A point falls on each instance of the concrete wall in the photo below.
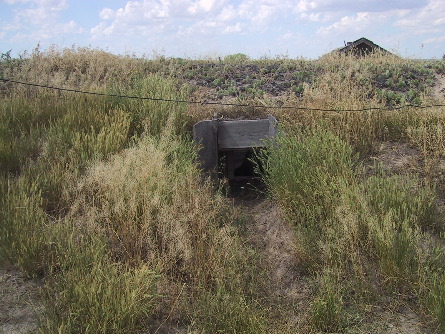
(215, 136)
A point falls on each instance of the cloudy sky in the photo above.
(212, 28)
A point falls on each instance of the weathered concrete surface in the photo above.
(214, 136)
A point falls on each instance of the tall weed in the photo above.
(227, 312)
(151, 116)
(435, 300)
(404, 197)
(103, 298)
(327, 308)
(304, 172)
(23, 227)
(347, 225)
(154, 208)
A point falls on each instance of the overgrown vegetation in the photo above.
(102, 196)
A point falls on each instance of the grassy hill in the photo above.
(102, 200)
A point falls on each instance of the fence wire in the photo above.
(220, 103)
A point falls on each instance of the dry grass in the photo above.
(107, 189)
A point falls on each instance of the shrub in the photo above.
(236, 58)
(227, 312)
(327, 307)
(304, 172)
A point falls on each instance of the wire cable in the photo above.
(219, 103)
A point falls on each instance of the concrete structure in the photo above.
(226, 146)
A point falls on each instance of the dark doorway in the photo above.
(238, 164)
(240, 169)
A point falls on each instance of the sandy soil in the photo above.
(395, 158)
(439, 88)
(287, 290)
(19, 302)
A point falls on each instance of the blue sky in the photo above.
(212, 28)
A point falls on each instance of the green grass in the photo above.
(327, 313)
(343, 223)
(102, 196)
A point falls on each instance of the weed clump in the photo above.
(101, 195)
(346, 226)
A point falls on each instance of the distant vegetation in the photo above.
(103, 198)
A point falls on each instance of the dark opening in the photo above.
(240, 168)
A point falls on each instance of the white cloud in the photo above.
(223, 24)
(41, 12)
(14, 26)
(264, 14)
(187, 17)
(72, 28)
(430, 18)
(38, 20)
(316, 17)
(202, 27)
(365, 5)
(174, 17)
(107, 14)
(137, 11)
(347, 23)
(234, 28)
(358, 23)
(102, 29)
(228, 13)
(434, 40)
(305, 6)
(201, 6)
(136, 17)
(13, 2)
(285, 37)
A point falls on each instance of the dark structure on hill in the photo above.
(362, 47)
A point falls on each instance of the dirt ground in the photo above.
(395, 158)
(439, 88)
(20, 304)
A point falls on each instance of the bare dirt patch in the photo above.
(394, 158)
(275, 236)
(288, 291)
(393, 321)
(439, 87)
(20, 304)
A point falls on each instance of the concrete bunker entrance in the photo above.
(227, 147)
(238, 164)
